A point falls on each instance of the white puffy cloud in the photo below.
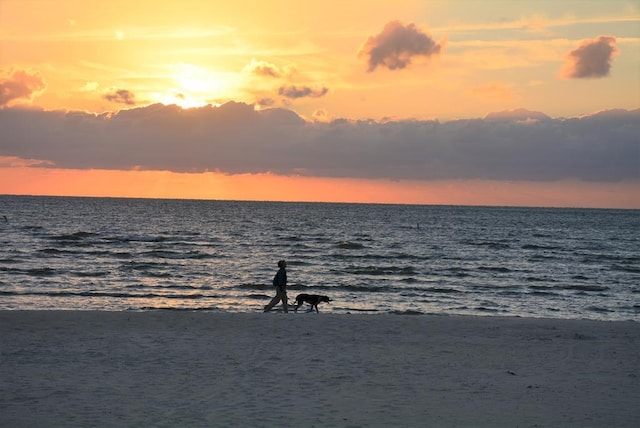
(237, 138)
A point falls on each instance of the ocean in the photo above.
(68, 253)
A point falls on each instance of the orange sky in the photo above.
(164, 184)
(364, 69)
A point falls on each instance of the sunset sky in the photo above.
(492, 102)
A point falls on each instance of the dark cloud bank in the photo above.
(235, 138)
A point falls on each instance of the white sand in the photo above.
(324, 370)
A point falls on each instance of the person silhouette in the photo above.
(280, 282)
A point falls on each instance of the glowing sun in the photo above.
(193, 86)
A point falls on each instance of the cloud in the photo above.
(301, 92)
(592, 59)
(266, 102)
(517, 115)
(236, 138)
(121, 96)
(14, 162)
(266, 69)
(19, 85)
(89, 87)
(397, 45)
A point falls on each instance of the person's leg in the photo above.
(285, 302)
(273, 302)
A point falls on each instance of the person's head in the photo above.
(282, 264)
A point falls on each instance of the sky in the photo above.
(459, 102)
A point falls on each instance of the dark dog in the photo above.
(312, 299)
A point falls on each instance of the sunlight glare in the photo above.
(195, 79)
(181, 99)
(193, 86)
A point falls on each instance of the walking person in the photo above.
(280, 282)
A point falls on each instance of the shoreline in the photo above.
(183, 368)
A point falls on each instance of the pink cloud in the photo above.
(397, 45)
(592, 59)
(123, 96)
(301, 92)
(265, 69)
(20, 85)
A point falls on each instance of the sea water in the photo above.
(141, 254)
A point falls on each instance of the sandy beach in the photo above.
(200, 369)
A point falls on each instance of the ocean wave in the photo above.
(441, 290)
(542, 235)
(292, 239)
(580, 277)
(175, 308)
(38, 272)
(494, 269)
(31, 228)
(541, 258)
(542, 287)
(357, 288)
(97, 274)
(538, 279)
(626, 268)
(372, 310)
(168, 287)
(380, 270)
(120, 295)
(150, 239)
(306, 288)
(590, 258)
(259, 296)
(77, 236)
(489, 244)
(374, 257)
(59, 253)
(56, 251)
(542, 292)
(135, 265)
(169, 254)
(346, 245)
(598, 309)
(590, 288)
(486, 309)
(536, 247)
(456, 272)
(366, 288)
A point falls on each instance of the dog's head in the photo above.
(325, 299)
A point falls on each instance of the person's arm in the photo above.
(282, 280)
